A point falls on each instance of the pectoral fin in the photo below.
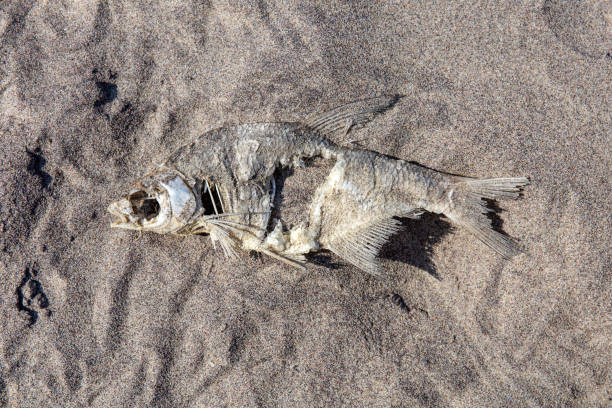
(361, 245)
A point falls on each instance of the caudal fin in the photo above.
(468, 209)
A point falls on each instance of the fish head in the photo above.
(163, 202)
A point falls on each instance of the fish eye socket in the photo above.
(144, 205)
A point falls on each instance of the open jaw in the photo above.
(134, 210)
(162, 202)
(120, 210)
(118, 221)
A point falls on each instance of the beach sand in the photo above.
(94, 94)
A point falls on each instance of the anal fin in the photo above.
(361, 245)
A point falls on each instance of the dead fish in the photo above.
(223, 184)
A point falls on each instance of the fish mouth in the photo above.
(120, 219)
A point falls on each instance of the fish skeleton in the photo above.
(223, 184)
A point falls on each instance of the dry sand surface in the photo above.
(95, 93)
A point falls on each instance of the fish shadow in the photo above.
(494, 210)
(415, 242)
(325, 258)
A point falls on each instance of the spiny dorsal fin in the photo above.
(360, 245)
(350, 116)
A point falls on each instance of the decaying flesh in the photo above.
(222, 184)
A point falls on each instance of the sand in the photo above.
(94, 94)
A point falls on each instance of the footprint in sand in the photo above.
(31, 300)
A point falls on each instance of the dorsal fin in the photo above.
(355, 114)
(360, 245)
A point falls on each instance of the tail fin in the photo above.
(468, 209)
(351, 115)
